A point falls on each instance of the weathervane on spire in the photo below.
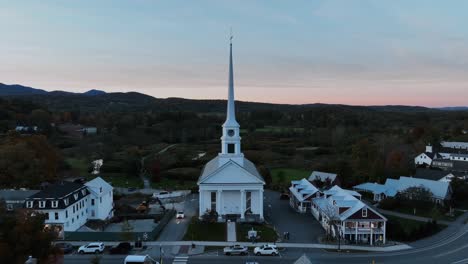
(231, 36)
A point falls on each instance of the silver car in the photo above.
(236, 250)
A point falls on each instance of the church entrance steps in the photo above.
(231, 231)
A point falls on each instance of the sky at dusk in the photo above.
(358, 52)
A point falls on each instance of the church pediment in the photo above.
(231, 173)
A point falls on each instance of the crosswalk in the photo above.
(180, 260)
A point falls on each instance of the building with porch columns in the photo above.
(229, 184)
(342, 214)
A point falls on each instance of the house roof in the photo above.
(65, 193)
(58, 190)
(429, 174)
(95, 184)
(393, 186)
(454, 144)
(341, 198)
(16, 195)
(213, 166)
(438, 189)
(459, 155)
(302, 189)
(323, 176)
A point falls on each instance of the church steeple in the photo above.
(230, 141)
(231, 109)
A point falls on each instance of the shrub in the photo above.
(389, 203)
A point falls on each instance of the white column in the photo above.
(219, 204)
(242, 206)
(261, 203)
(384, 232)
(201, 197)
(356, 226)
(371, 235)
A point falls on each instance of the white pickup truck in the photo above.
(166, 195)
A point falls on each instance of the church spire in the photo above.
(231, 140)
(231, 110)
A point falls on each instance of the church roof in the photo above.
(213, 166)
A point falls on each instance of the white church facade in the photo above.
(229, 184)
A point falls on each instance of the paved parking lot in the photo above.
(302, 228)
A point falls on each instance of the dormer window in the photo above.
(54, 204)
(29, 204)
(364, 212)
(42, 204)
(76, 196)
(83, 192)
(65, 201)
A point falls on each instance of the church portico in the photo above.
(233, 203)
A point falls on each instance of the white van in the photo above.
(139, 259)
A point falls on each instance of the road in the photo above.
(176, 228)
(452, 249)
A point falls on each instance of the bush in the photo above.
(389, 203)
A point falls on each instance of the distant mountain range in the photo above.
(96, 100)
(454, 108)
(17, 90)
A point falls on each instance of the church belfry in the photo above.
(231, 140)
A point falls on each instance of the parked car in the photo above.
(235, 250)
(131, 189)
(180, 215)
(66, 248)
(139, 259)
(92, 248)
(122, 248)
(263, 250)
(166, 194)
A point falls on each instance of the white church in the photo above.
(229, 184)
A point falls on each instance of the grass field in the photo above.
(289, 175)
(79, 165)
(410, 227)
(201, 231)
(426, 212)
(119, 180)
(266, 233)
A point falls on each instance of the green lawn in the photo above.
(119, 180)
(289, 175)
(79, 165)
(402, 229)
(426, 212)
(266, 232)
(202, 231)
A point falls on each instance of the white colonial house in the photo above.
(229, 184)
(64, 205)
(343, 215)
(426, 157)
(101, 199)
(68, 205)
(301, 194)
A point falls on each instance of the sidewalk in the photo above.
(250, 244)
(231, 232)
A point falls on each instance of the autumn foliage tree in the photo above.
(26, 161)
(23, 235)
